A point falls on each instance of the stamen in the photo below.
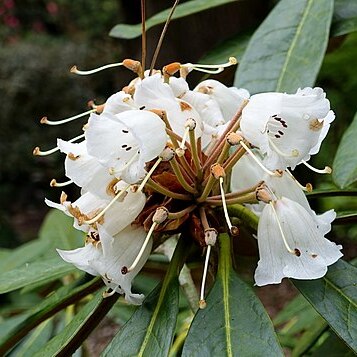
(75, 70)
(210, 68)
(326, 170)
(233, 229)
(292, 251)
(150, 173)
(101, 213)
(54, 183)
(210, 238)
(107, 293)
(38, 152)
(112, 170)
(189, 125)
(250, 152)
(307, 188)
(44, 120)
(294, 152)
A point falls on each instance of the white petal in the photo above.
(118, 102)
(82, 257)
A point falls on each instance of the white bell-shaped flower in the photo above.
(287, 127)
(124, 142)
(228, 99)
(106, 257)
(85, 170)
(153, 93)
(119, 102)
(291, 245)
(88, 206)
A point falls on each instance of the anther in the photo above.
(133, 65)
(54, 183)
(263, 194)
(307, 188)
(217, 171)
(44, 120)
(190, 124)
(75, 70)
(37, 152)
(170, 69)
(210, 68)
(106, 294)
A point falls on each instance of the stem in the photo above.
(233, 159)
(164, 191)
(248, 198)
(179, 214)
(180, 177)
(163, 33)
(203, 217)
(245, 214)
(194, 155)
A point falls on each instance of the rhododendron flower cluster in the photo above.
(158, 159)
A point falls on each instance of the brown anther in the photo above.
(133, 65)
(73, 69)
(63, 197)
(205, 89)
(99, 108)
(124, 270)
(73, 157)
(202, 304)
(316, 124)
(279, 173)
(36, 151)
(171, 69)
(233, 139)
(234, 231)
(43, 120)
(309, 187)
(161, 214)
(211, 236)
(53, 183)
(91, 104)
(297, 252)
(110, 190)
(262, 193)
(217, 171)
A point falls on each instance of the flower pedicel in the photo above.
(157, 158)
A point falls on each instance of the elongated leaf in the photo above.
(335, 298)
(344, 17)
(36, 272)
(63, 297)
(150, 330)
(66, 342)
(188, 8)
(286, 51)
(57, 229)
(35, 340)
(26, 253)
(234, 323)
(345, 163)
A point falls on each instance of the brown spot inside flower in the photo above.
(110, 190)
(124, 270)
(185, 106)
(314, 255)
(315, 124)
(73, 157)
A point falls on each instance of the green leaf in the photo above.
(26, 253)
(72, 336)
(188, 8)
(335, 298)
(35, 340)
(58, 229)
(287, 49)
(333, 347)
(35, 272)
(232, 47)
(57, 301)
(344, 17)
(150, 330)
(234, 323)
(345, 164)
